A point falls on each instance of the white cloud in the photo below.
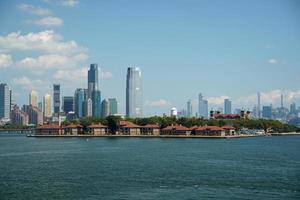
(51, 61)
(158, 103)
(105, 74)
(5, 60)
(71, 75)
(273, 61)
(217, 100)
(48, 21)
(33, 10)
(69, 3)
(46, 41)
(26, 83)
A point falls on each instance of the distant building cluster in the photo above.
(86, 102)
(281, 113)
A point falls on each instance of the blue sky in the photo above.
(220, 48)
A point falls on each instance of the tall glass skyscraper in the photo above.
(5, 98)
(96, 103)
(92, 79)
(134, 92)
(105, 108)
(227, 106)
(56, 98)
(79, 102)
(68, 104)
(93, 90)
(113, 106)
(202, 107)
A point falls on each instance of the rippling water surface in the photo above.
(144, 168)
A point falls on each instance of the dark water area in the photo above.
(149, 168)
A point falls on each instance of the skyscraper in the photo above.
(105, 108)
(202, 107)
(79, 102)
(96, 103)
(281, 100)
(258, 105)
(92, 79)
(68, 104)
(40, 105)
(134, 99)
(35, 115)
(47, 106)
(227, 106)
(293, 108)
(5, 97)
(189, 108)
(19, 117)
(88, 107)
(93, 90)
(56, 98)
(33, 98)
(267, 112)
(113, 106)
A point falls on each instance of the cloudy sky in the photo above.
(224, 49)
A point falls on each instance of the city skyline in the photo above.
(36, 54)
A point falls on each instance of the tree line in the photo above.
(113, 122)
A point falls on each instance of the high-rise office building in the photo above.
(267, 112)
(33, 98)
(5, 101)
(227, 106)
(293, 108)
(92, 79)
(79, 102)
(113, 106)
(40, 105)
(96, 103)
(258, 106)
(105, 108)
(89, 108)
(19, 117)
(202, 107)
(189, 108)
(93, 90)
(35, 115)
(47, 106)
(281, 100)
(68, 104)
(56, 98)
(134, 92)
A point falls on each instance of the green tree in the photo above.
(113, 123)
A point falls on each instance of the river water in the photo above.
(149, 168)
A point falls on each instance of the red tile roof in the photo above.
(176, 127)
(128, 124)
(194, 127)
(49, 126)
(97, 126)
(151, 126)
(227, 127)
(74, 126)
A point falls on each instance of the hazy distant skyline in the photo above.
(223, 49)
